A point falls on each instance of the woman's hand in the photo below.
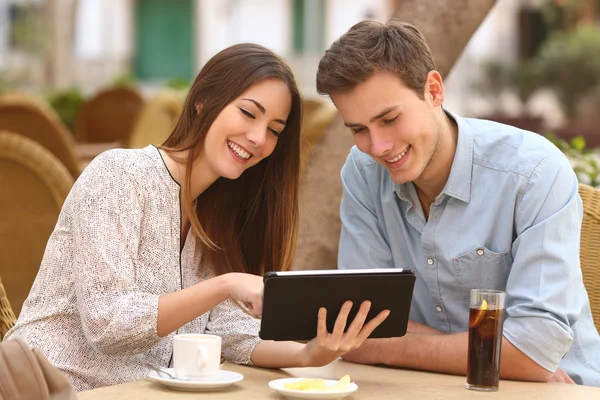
(247, 290)
(327, 347)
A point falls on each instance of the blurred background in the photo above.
(78, 77)
(532, 63)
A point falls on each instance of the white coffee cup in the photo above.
(196, 356)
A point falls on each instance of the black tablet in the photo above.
(292, 300)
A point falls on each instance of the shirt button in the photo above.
(430, 261)
(480, 252)
(438, 308)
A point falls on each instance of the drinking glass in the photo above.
(486, 317)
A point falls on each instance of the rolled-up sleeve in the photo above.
(362, 244)
(117, 317)
(238, 330)
(545, 292)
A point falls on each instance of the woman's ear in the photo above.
(198, 106)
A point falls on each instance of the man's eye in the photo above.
(247, 113)
(357, 130)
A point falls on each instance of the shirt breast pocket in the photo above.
(482, 268)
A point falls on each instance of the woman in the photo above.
(153, 242)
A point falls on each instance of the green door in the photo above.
(164, 39)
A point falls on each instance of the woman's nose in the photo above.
(257, 138)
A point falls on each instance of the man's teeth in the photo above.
(399, 156)
(238, 150)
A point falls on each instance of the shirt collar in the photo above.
(459, 180)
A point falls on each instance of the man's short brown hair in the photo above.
(370, 46)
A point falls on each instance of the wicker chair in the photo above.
(7, 316)
(590, 247)
(109, 116)
(39, 123)
(26, 99)
(34, 186)
(157, 120)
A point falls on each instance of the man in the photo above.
(466, 204)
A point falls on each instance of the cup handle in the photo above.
(201, 354)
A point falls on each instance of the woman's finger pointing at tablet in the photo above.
(247, 291)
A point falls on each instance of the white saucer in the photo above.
(277, 385)
(224, 379)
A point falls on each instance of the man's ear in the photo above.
(198, 106)
(434, 88)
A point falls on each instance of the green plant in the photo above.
(524, 77)
(66, 104)
(125, 80)
(494, 78)
(29, 32)
(569, 62)
(585, 162)
(178, 83)
(563, 14)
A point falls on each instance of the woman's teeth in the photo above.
(238, 150)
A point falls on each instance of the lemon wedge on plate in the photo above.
(307, 384)
(342, 384)
(318, 385)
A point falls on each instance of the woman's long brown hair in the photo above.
(248, 224)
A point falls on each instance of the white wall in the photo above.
(223, 23)
(118, 29)
(89, 30)
(267, 22)
(342, 14)
(496, 38)
(104, 29)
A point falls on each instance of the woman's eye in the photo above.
(247, 113)
(275, 132)
(391, 120)
(358, 130)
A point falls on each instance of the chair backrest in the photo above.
(7, 316)
(27, 99)
(34, 186)
(157, 120)
(109, 116)
(590, 247)
(40, 125)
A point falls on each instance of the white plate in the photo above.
(224, 379)
(277, 385)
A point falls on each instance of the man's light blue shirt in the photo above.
(509, 218)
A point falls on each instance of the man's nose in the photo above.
(381, 144)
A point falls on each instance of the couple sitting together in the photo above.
(164, 240)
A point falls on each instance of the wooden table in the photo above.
(373, 383)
